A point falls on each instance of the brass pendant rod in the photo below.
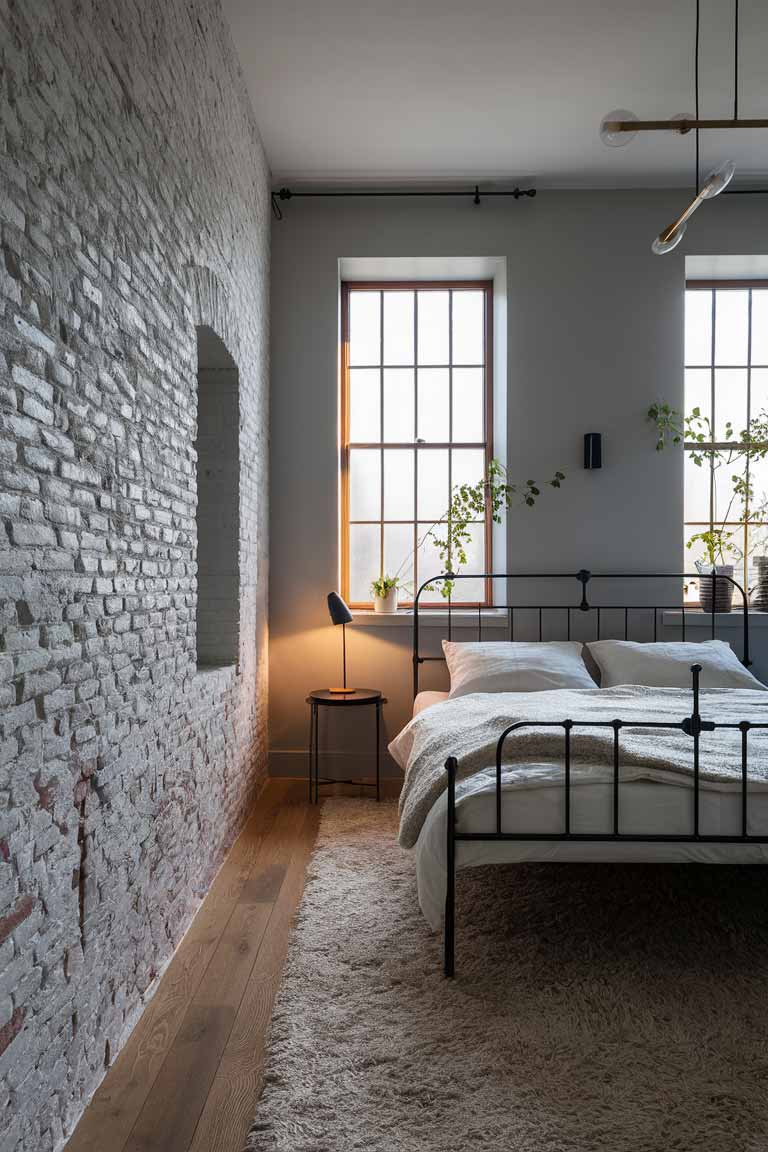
(680, 126)
(682, 218)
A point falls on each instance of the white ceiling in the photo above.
(433, 90)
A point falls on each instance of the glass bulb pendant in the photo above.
(666, 241)
(718, 180)
(616, 139)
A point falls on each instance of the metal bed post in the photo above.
(451, 765)
(416, 644)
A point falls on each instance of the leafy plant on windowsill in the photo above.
(452, 533)
(751, 443)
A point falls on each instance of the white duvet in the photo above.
(650, 801)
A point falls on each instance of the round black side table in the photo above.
(323, 698)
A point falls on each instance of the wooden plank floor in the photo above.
(189, 1075)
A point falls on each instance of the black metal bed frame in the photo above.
(692, 725)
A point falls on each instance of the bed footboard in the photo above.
(692, 726)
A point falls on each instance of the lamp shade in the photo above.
(338, 610)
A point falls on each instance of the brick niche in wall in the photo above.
(134, 210)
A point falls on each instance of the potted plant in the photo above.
(385, 591)
(734, 452)
(715, 595)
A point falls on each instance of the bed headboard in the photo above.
(598, 598)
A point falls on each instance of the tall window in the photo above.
(726, 378)
(416, 422)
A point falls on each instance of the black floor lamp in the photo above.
(340, 614)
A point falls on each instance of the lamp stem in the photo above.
(344, 651)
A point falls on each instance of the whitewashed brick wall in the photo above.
(133, 205)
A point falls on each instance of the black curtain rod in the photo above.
(476, 194)
(288, 194)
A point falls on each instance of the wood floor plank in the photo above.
(168, 1125)
(109, 1118)
(188, 1077)
(184, 1078)
(232, 1096)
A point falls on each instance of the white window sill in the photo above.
(212, 671)
(433, 618)
(695, 618)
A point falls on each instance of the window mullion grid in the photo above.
(450, 419)
(747, 502)
(381, 431)
(712, 411)
(415, 442)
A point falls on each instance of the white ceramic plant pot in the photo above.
(386, 603)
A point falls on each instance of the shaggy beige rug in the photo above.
(616, 1008)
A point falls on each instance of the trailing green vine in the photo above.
(734, 450)
(452, 534)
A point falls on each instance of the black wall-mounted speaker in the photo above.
(593, 450)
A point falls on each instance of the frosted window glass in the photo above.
(365, 484)
(398, 327)
(730, 400)
(398, 405)
(399, 466)
(468, 466)
(364, 560)
(468, 404)
(429, 563)
(364, 328)
(398, 554)
(758, 475)
(731, 327)
(433, 404)
(691, 556)
(696, 490)
(433, 483)
(698, 392)
(759, 391)
(364, 405)
(725, 503)
(760, 327)
(472, 591)
(468, 322)
(698, 328)
(433, 327)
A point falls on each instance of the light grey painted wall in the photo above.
(595, 334)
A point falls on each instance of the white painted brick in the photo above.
(105, 270)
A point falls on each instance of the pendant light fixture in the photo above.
(714, 184)
(621, 126)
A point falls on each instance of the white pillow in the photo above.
(508, 666)
(668, 665)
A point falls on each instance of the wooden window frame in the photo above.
(705, 285)
(347, 288)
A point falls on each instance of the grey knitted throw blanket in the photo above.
(469, 728)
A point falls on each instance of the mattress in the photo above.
(427, 699)
(645, 807)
